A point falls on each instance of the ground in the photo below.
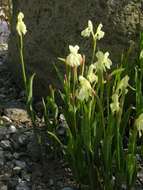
(21, 167)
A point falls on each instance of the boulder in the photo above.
(52, 25)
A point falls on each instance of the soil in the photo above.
(52, 174)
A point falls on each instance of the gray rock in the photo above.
(12, 183)
(16, 155)
(1, 154)
(20, 164)
(67, 188)
(61, 130)
(15, 144)
(3, 132)
(51, 182)
(8, 156)
(17, 170)
(10, 164)
(22, 139)
(33, 150)
(5, 177)
(4, 187)
(1, 63)
(2, 162)
(22, 186)
(12, 129)
(5, 144)
(25, 176)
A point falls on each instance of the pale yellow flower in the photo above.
(141, 54)
(139, 124)
(103, 61)
(91, 76)
(99, 33)
(21, 27)
(123, 84)
(74, 59)
(115, 106)
(85, 89)
(88, 31)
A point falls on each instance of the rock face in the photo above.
(53, 25)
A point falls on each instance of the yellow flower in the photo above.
(115, 106)
(141, 54)
(85, 90)
(139, 124)
(74, 59)
(21, 27)
(87, 32)
(103, 61)
(99, 33)
(123, 84)
(91, 76)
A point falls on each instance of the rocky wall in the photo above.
(54, 24)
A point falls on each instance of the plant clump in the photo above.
(93, 105)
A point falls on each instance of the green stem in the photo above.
(23, 65)
(108, 99)
(74, 79)
(119, 116)
(94, 49)
(101, 112)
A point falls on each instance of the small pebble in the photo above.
(12, 129)
(67, 188)
(6, 119)
(20, 164)
(5, 144)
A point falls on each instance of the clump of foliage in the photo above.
(93, 98)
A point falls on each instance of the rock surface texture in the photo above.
(53, 25)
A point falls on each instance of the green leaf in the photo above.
(117, 71)
(55, 137)
(131, 169)
(60, 75)
(30, 98)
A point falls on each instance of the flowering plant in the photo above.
(93, 105)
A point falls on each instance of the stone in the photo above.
(25, 176)
(17, 170)
(16, 155)
(17, 114)
(20, 164)
(51, 182)
(4, 187)
(122, 21)
(2, 162)
(5, 144)
(5, 177)
(67, 188)
(22, 139)
(33, 150)
(12, 129)
(8, 155)
(3, 132)
(10, 164)
(12, 183)
(1, 154)
(22, 186)
(6, 119)
(61, 130)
